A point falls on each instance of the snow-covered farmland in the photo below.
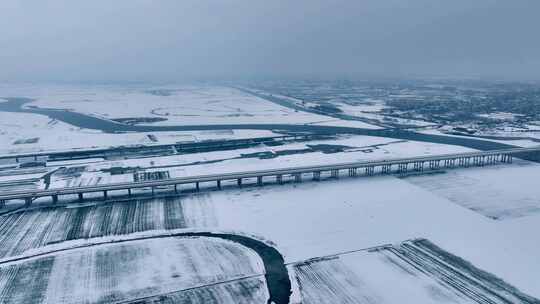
(520, 139)
(165, 105)
(498, 192)
(137, 269)
(321, 219)
(23, 231)
(367, 105)
(318, 219)
(416, 270)
(52, 135)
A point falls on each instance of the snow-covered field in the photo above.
(397, 120)
(526, 139)
(367, 105)
(318, 219)
(487, 216)
(53, 135)
(498, 192)
(137, 269)
(369, 109)
(23, 231)
(172, 105)
(417, 270)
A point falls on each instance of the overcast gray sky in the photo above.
(169, 40)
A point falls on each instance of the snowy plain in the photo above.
(328, 218)
(132, 270)
(473, 213)
(168, 105)
(55, 135)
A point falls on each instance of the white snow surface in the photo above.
(59, 136)
(530, 139)
(179, 104)
(499, 192)
(135, 269)
(326, 218)
(313, 219)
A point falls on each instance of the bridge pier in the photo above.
(218, 184)
(27, 201)
(197, 186)
(153, 190)
(279, 179)
(175, 188)
(259, 180)
(239, 182)
(129, 191)
(465, 161)
(434, 164)
(478, 161)
(298, 177)
(402, 168)
(105, 195)
(55, 199)
(506, 158)
(80, 197)
(317, 175)
(334, 173)
(352, 172)
(2, 203)
(483, 161)
(386, 169)
(369, 170)
(418, 166)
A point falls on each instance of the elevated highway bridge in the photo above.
(365, 168)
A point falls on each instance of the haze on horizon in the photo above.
(169, 40)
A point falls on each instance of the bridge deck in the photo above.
(261, 173)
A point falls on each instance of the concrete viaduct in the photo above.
(366, 168)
